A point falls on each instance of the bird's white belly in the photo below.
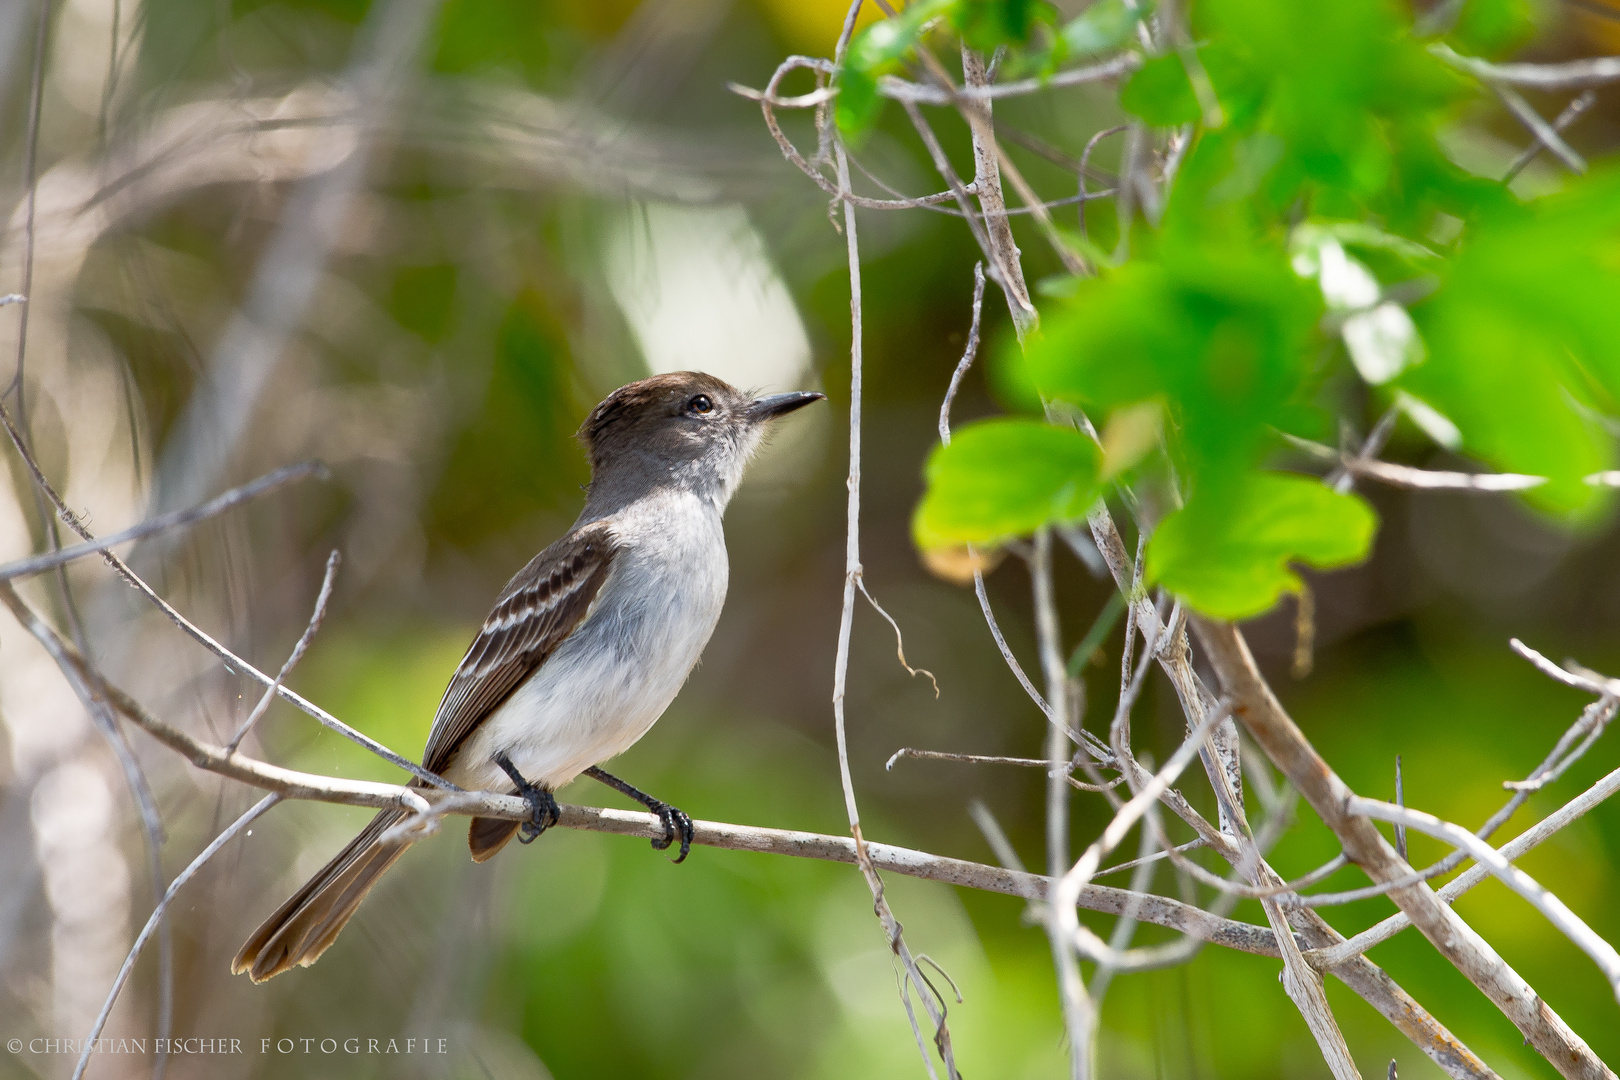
(606, 685)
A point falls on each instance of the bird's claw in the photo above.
(543, 813)
(675, 821)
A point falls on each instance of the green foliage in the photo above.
(1004, 478)
(1028, 27)
(1105, 25)
(1313, 180)
(1228, 551)
(986, 25)
(1492, 28)
(1524, 342)
(1343, 124)
(879, 50)
(1218, 333)
(1221, 336)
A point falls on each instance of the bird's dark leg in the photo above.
(675, 820)
(542, 807)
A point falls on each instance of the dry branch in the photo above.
(1328, 795)
(1571, 75)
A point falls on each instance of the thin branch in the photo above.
(1586, 730)
(292, 784)
(899, 638)
(31, 185)
(1571, 113)
(1406, 476)
(232, 661)
(852, 576)
(1079, 1011)
(918, 93)
(1191, 845)
(969, 352)
(179, 519)
(968, 355)
(297, 654)
(1085, 158)
(988, 759)
(1469, 953)
(768, 100)
(1571, 811)
(156, 917)
(1545, 134)
(1571, 75)
(1543, 900)
(997, 239)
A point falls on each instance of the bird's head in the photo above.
(685, 427)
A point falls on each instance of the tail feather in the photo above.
(303, 927)
(486, 836)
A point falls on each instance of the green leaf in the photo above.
(986, 25)
(1102, 27)
(1523, 342)
(1353, 115)
(1160, 93)
(1227, 552)
(1004, 478)
(1494, 28)
(879, 50)
(858, 104)
(1219, 332)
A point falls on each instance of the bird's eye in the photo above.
(700, 404)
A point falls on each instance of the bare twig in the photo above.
(899, 638)
(852, 575)
(989, 759)
(1400, 800)
(921, 94)
(1079, 1012)
(1571, 113)
(1085, 158)
(1545, 133)
(969, 351)
(997, 240)
(31, 186)
(234, 662)
(1571, 811)
(1287, 747)
(1571, 75)
(1543, 900)
(156, 917)
(1594, 719)
(179, 519)
(768, 101)
(297, 654)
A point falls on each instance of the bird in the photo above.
(584, 648)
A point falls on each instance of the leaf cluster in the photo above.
(1313, 178)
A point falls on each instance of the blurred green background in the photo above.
(558, 198)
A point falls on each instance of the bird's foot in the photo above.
(676, 821)
(543, 813)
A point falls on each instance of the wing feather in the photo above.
(542, 604)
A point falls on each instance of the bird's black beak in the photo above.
(774, 405)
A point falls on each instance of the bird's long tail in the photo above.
(303, 927)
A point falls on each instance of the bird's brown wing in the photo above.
(534, 614)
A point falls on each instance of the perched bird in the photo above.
(585, 647)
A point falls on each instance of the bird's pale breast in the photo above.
(608, 683)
